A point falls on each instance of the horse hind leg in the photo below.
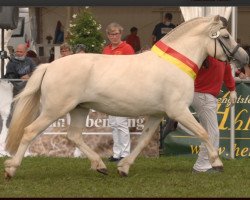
(31, 131)
(148, 131)
(187, 119)
(77, 124)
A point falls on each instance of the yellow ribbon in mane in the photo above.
(182, 62)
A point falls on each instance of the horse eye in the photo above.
(226, 36)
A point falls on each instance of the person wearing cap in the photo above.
(162, 28)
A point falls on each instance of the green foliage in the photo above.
(148, 177)
(84, 29)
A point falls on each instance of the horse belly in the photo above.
(124, 105)
(118, 110)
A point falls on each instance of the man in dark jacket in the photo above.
(161, 29)
(19, 67)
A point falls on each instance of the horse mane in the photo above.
(176, 32)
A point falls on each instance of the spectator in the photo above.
(162, 28)
(80, 48)
(59, 34)
(32, 54)
(65, 50)
(51, 54)
(133, 39)
(120, 132)
(20, 67)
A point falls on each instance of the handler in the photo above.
(207, 87)
(208, 84)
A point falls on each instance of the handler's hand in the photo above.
(233, 97)
(25, 77)
(242, 76)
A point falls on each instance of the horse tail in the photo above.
(26, 109)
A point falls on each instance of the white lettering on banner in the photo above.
(139, 123)
(91, 122)
(88, 133)
(59, 123)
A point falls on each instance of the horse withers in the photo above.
(154, 83)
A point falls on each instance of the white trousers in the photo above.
(205, 106)
(121, 136)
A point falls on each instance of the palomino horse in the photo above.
(153, 84)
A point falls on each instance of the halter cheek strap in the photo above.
(176, 58)
(227, 52)
(230, 55)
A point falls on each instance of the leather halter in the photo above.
(227, 52)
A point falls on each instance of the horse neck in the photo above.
(190, 40)
(195, 50)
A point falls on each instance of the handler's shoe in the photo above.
(112, 159)
(209, 171)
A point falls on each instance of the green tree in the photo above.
(84, 29)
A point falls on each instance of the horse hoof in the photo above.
(219, 168)
(122, 174)
(7, 176)
(103, 171)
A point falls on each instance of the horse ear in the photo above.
(214, 32)
(214, 35)
(216, 18)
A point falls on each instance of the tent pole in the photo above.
(2, 52)
(232, 113)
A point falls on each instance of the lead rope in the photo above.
(215, 48)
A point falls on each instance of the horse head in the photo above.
(222, 45)
(203, 36)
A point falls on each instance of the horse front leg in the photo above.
(149, 129)
(186, 118)
(77, 124)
